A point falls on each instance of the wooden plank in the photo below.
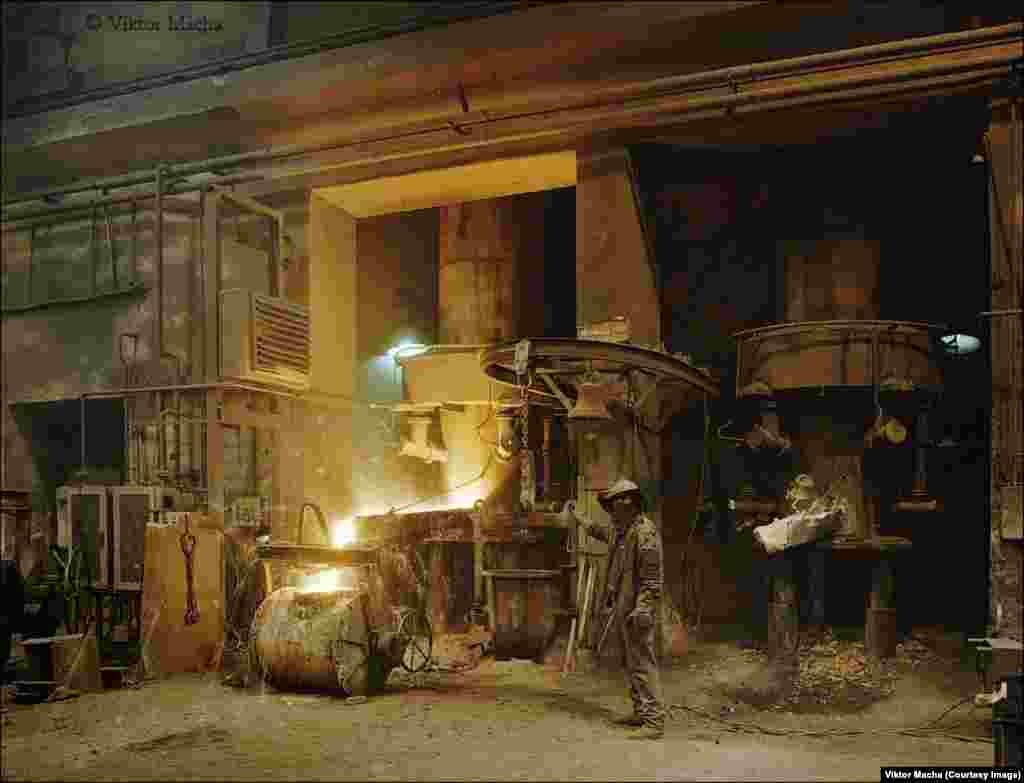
(170, 646)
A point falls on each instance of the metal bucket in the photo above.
(312, 640)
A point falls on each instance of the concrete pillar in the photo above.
(1006, 208)
(614, 267)
(490, 289)
(615, 278)
(332, 304)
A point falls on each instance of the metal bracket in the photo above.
(521, 359)
(556, 390)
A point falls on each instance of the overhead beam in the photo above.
(454, 185)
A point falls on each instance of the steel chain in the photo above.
(525, 413)
(188, 548)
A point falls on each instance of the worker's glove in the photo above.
(641, 620)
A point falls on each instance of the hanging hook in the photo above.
(720, 436)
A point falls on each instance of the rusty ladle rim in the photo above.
(536, 396)
(839, 325)
(497, 361)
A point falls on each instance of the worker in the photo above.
(633, 600)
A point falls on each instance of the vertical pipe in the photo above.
(920, 488)
(276, 254)
(546, 451)
(158, 336)
(110, 249)
(135, 243)
(161, 436)
(93, 251)
(31, 265)
(177, 434)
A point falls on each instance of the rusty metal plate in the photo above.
(447, 374)
(1013, 514)
(898, 354)
(553, 354)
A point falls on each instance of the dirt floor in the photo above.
(838, 718)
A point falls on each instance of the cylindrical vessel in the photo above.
(310, 640)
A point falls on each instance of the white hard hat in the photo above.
(619, 488)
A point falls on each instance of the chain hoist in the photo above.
(527, 486)
(188, 548)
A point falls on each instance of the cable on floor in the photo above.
(920, 732)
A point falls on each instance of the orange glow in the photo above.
(327, 581)
(460, 499)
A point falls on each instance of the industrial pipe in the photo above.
(728, 103)
(293, 50)
(169, 190)
(728, 78)
(222, 386)
(158, 336)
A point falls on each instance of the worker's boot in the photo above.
(648, 731)
(632, 721)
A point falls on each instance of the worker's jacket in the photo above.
(634, 567)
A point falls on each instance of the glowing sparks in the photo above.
(463, 498)
(329, 580)
(460, 499)
(343, 532)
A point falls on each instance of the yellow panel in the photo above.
(455, 185)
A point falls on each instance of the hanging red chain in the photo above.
(188, 548)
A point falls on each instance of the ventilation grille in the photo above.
(264, 340)
(281, 337)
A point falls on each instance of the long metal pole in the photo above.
(134, 198)
(722, 77)
(158, 332)
(305, 397)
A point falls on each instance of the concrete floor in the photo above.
(502, 720)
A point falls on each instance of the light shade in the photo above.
(406, 349)
(960, 344)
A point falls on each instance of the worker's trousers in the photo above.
(641, 664)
